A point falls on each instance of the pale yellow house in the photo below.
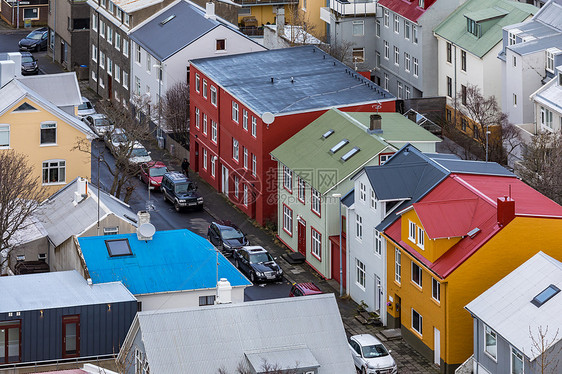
(37, 118)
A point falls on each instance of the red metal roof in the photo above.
(407, 9)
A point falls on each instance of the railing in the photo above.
(252, 31)
(59, 364)
(346, 8)
(261, 2)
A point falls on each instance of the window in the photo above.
(406, 30)
(545, 295)
(148, 63)
(386, 17)
(407, 62)
(463, 60)
(245, 195)
(396, 56)
(435, 290)
(254, 126)
(412, 231)
(10, 341)
(109, 66)
(109, 35)
(490, 342)
(316, 238)
(421, 3)
(378, 28)
(408, 94)
(550, 59)
(512, 38)
(206, 300)
(111, 7)
(416, 67)
(159, 73)
(449, 52)
(396, 24)
(4, 136)
(416, 274)
(377, 59)
(464, 124)
(111, 230)
(221, 44)
(358, 28)
(448, 115)
(95, 21)
(213, 131)
(118, 247)
(125, 48)
(287, 179)
(360, 273)
(235, 112)
(197, 118)
(463, 94)
(397, 265)
(514, 61)
(516, 361)
(48, 133)
(205, 124)
(125, 80)
(214, 95)
(514, 100)
(94, 53)
(236, 187)
(138, 53)
(315, 200)
(399, 94)
(119, 15)
(127, 19)
(415, 34)
(235, 150)
(205, 88)
(245, 156)
(245, 119)
(54, 171)
(449, 87)
(386, 81)
(254, 165)
(386, 50)
(373, 200)
(384, 158)
(102, 29)
(301, 190)
(546, 117)
(417, 321)
(358, 54)
(287, 219)
(472, 27)
(197, 81)
(213, 166)
(204, 159)
(358, 227)
(378, 243)
(137, 86)
(102, 60)
(117, 73)
(362, 192)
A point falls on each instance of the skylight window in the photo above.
(350, 154)
(545, 295)
(118, 247)
(339, 146)
(327, 134)
(168, 19)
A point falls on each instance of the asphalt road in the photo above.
(164, 217)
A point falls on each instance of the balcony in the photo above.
(353, 8)
(246, 3)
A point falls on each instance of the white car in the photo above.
(139, 154)
(115, 139)
(99, 123)
(371, 356)
(86, 108)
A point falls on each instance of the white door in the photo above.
(378, 294)
(224, 180)
(436, 346)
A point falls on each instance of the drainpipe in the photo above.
(455, 83)
(99, 54)
(54, 30)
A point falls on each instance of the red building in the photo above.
(244, 106)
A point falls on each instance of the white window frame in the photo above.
(213, 95)
(214, 132)
(49, 125)
(236, 186)
(420, 319)
(416, 268)
(373, 200)
(245, 200)
(416, 66)
(435, 290)
(414, 34)
(316, 243)
(358, 227)
(360, 273)
(205, 158)
(358, 28)
(95, 21)
(287, 179)
(109, 35)
(254, 165)
(362, 191)
(125, 47)
(205, 124)
(421, 237)
(489, 331)
(49, 167)
(396, 56)
(138, 54)
(102, 29)
(213, 166)
(125, 80)
(197, 83)
(235, 150)
(301, 190)
(287, 220)
(197, 118)
(204, 88)
(117, 73)
(406, 30)
(412, 231)
(378, 243)
(315, 201)
(397, 265)
(386, 50)
(386, 18)
(235, 111)
(245, 119)
(5, 128)
(549, 59)
(254, 126)
(396, 24)
(245, 156)
(516, 354)
(94, 53)
(407, 63)
(117, 41)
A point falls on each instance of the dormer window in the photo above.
(473, 27)
(512, 38)
(550, 53)
(560, 79)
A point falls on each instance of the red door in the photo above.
(336, 261)
(70, 336)
(302, 237)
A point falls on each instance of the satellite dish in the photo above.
(268, 118)
(147, 230)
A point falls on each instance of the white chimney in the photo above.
(145, 229)
(224, 292)
(16, 58)
(81, 190)
(7, 71)
(280, 21)
(89, 280)
(143, 216)
(210, 11)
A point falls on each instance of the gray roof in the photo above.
(550, 95)
(202, 340)
(551, 14)
(349, 198)
(58, 289)
(506, 306)
(305, 79)
(164, 40)
(60, 89)
(62, 219)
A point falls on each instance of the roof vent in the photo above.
(81, 190)
(472, 233)
(167, 19)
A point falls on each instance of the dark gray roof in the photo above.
(305, 78)
(164, 40)
(348, 199)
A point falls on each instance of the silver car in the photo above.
(370, 355)
(86, 108)
(99, 123)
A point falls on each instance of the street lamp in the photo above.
(338, 196)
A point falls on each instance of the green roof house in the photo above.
(317, 163)
(469, 41)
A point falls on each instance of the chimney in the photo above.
(506, 210)
(145, 229)
(375, 126)
(224, 292)
(81, 190)
(413, 116)
(89, 280)
(7, 71)
(280, 22)
(16, 58)
(210, 10)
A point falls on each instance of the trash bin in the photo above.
(81, 72)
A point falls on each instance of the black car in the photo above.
(179, 190)
(258, 264)
(226, 236)
(35, 40)
(28, 64)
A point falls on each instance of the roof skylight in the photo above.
(168, 19)
(545, 295)
(118, 247)
(327, 134)
(339, 146)
(350, 154)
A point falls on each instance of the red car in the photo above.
(304, 289)
(152, 172)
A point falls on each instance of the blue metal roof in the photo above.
(349, 198)
(304, 79)
(175, 260)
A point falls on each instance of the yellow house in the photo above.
(37, 118)
(452, 245)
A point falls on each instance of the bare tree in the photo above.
(266, 368)
(543, 346)
(541, 165)
(340, 50)
(175, 112)
(302, 30)
(20, 195)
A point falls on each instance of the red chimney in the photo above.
(506, 210)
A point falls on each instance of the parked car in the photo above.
(86, 108)
(99, 123)
(304, 289)
(139, 154)
(180, 191)
(35, 40)
(115, 139)
(152, 173)
(28, 64)
(258, 264)
(370, 355)
(226, 236)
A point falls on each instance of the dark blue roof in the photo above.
(348, 199)
(174, 260)
(305, 78)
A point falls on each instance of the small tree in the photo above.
(303, 31)
(175, 112)
(20, 195)
(266, 368)
(543, 347)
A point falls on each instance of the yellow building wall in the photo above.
(25, 137)
(263, 13)
(309, 12)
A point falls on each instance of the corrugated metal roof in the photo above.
(129, 6)
(60, 89)
(58, 289)
(550, 95)
(348, 199)
(62, 219)
(175, 260)
(454, 27)
(551, 14)
(506, 306)
(285, 358)
(203, 340)
(408, 9)
(305, 79)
